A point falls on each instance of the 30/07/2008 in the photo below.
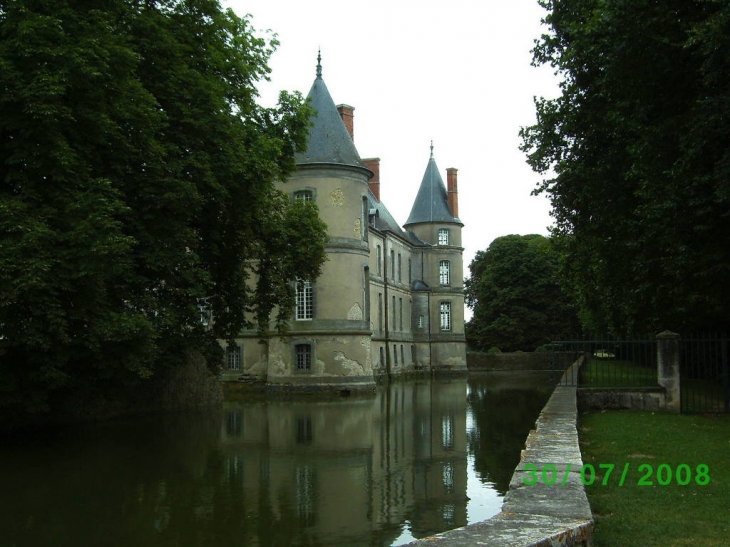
(682, 475)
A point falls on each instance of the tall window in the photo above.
(304, 195)
(400, 267)
(395, 354)
(445, 315)
(380, 312)
(400, 314)
(233, 357)
(444, 272)
(303, 354)
(410, 271)
(304, 300)
(443, 236)
(380, 260)
(393, 313)
(392, 264)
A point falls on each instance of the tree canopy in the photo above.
(137, 178)
(636, 157)
(516, 296)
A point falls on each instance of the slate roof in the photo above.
(431, 204)
(329, 142)
(382, 220)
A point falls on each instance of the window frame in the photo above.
(304, 194)
(303, 294)
(306, 351)
(444, 236)
(237, 357)
(445, 319)
(445, 273)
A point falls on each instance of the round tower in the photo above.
(434, 220)
(329, 341)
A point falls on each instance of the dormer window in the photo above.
(443, 236)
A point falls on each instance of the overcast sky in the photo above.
(456, 72)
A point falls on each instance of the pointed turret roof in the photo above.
(431, 204)
(329, 142)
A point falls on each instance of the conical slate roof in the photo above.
(329, 142)
(431, 204)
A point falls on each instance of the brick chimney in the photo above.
(374, 183)
(453, 191)
(347, 113)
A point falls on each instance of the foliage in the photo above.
(636, 158)
(517, 301)
(136, 183)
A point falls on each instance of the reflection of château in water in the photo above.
(351, 472)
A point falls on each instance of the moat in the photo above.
(418, 458)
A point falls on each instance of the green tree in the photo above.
(136, 182)
(516, 297)
(636, 158)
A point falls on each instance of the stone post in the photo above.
(668, 368)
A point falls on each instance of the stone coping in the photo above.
(538, 515)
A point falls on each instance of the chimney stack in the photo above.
(453, 191)
(374, 183)
(347, 113)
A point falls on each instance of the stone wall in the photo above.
(538, 515)
(651, 399)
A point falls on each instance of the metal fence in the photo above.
(704, 373)
(612, 363)
(621, 364)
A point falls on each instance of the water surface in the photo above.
(418, 458)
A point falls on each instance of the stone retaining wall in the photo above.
(653, 399)
(538, 515)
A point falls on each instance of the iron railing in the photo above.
(704, 373)
(612, 363)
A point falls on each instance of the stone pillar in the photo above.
(668, 368)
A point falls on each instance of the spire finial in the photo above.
(432, 148)
(319, 63)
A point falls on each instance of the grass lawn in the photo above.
(617, 373)
(657, 515)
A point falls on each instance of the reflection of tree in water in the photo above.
(503, 418)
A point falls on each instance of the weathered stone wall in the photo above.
(538, 515)
(652, 399)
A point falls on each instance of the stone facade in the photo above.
(389, 300)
